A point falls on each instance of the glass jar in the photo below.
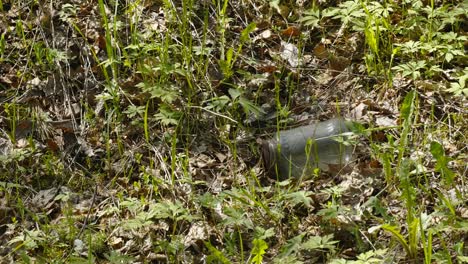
(298, 152)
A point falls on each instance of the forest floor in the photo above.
(131, 132)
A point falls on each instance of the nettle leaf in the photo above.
(225, 66)
(216, 255)
(229, 56)
(329, 212)
(250, 107)
(29, 239)
(320, 243)
(167, 93)
(459, 87)
(134, 110)
(218, 103)
(436, 150)
(159, 211)
(410, 47)
(261, 233)
(172, 210)
(258, 250)
(349, 11)
(116, 257)
(311, 18)
(331, 12)
(245, 33)
(168, 116)
(132, 204)
(300, 197)
(411, 68)
(237, 217)
(247, 105)
(209, 200)
(292, 246)
(136, 223)
(372, 256)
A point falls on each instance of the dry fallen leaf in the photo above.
(290, 53)
(221, 157)
(291, 32)
(198, 232)
(385, 121)
(338, 64)
(359, 111)
(320, 51)
(266, 34)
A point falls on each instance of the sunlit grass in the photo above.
(163, 156)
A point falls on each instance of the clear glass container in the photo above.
(297, 152)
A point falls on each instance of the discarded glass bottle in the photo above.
(297, 152)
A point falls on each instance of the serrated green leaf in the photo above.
(245, 33)
(216, 256)
(436, 150)
(292, 246)
(250, 107)
(299, 197)
(320, 242)
(258, 250)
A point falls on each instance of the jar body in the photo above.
(297, 152)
